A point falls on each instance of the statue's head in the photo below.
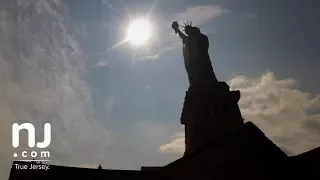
(189, 29)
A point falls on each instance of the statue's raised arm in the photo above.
(196, 56)
(175, 27)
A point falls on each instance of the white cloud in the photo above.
(150, 57)
(201, 14)
(109, 105)
(279, 109)
(101, 64)
(172, 45)
(107, 2)
(176, 145)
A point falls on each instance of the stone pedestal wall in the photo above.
(209, 112)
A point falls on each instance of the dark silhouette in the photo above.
(196, 57)
(210, 110)
(219, 145)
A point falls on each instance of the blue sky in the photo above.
(120, 107)
(251, 38)
(247, 38)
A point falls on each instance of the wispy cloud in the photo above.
(201, 14)
(108, 3)
(171, 45)
(278, 108)
(150, 57)
(101, 64)
(155, 56)
(42, 80)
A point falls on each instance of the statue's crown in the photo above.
(188, 25)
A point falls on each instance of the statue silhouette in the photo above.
(196, 57)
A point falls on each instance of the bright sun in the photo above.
(139, 32)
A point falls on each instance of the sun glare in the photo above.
(139, 32)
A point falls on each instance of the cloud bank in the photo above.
(288, 116)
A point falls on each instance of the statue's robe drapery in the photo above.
(197, 61)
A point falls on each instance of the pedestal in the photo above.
(208, 113)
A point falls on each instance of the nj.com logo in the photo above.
(31, 155)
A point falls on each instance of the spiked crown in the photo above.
(187, 26)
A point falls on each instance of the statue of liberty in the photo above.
(196, 57)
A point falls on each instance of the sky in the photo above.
(120, 105)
